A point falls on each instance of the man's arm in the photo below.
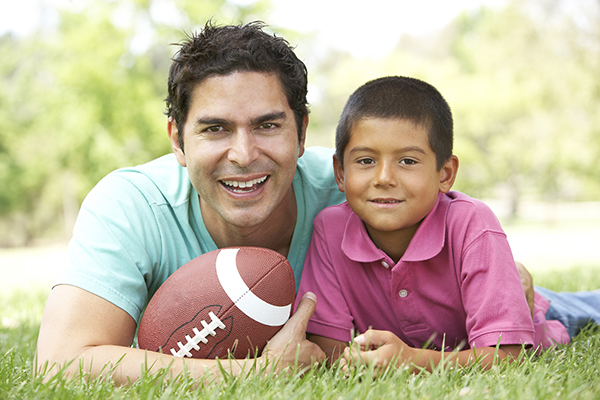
(96, 336)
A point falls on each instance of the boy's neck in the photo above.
(394, 243)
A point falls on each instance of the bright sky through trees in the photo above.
(349, 25)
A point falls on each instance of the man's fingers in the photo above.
(306, 308)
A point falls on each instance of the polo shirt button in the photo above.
(403, 293)
(385, 264)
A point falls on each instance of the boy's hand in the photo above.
(377, 348)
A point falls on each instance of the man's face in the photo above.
(240, 147)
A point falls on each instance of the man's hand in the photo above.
(289, 347)
(527, 282)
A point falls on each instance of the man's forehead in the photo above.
(239, 96)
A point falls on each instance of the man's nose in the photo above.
(243, 150)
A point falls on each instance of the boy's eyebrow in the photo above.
(402, 150)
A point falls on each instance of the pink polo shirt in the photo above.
(456, 285)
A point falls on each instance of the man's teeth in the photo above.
(242, 185)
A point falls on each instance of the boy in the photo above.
(415, 267)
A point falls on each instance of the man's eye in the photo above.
(267, 125)
(214, 129)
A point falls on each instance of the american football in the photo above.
(231, 300)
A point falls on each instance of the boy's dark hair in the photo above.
(399, 97)
(222, 50)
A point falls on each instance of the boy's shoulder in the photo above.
(335, 212)
(460, 199)
(460, 207)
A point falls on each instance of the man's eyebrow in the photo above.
(212, 121)
(255, 121)
(268, 117)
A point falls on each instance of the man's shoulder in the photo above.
(316, 166)
(160, 180)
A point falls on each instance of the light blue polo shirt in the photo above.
(140, 224)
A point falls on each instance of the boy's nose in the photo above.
(385, 175)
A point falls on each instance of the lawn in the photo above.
(569, 372)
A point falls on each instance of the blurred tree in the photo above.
(85, 97)
(523, 85)
(528, 110)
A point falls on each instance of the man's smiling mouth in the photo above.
(244, 186)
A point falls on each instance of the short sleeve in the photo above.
(332, 317)
(115, 245)
(494, 300)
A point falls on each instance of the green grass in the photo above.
(571, 371)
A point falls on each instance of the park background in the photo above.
(82, 85)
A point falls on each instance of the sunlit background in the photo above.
(82, 85)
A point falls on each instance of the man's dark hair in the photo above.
(399, 97)
(222, 50)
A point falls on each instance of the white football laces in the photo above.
(200, 336)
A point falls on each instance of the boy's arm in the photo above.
(380, 348)
(332, 348)
(87, 334)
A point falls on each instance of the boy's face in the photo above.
(390, 176)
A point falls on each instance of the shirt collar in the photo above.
(426, 244)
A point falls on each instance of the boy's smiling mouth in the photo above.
(385, 201)
(244, 186)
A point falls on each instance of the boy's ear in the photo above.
(338, 172)
(174, 137)
(448, 174)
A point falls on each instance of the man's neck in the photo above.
(274, 233)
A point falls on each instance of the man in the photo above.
(239, 176)
(237, 121)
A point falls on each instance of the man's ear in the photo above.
(302, 137)
(338, 171)
(448, 174)
(174, 138)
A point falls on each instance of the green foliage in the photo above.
(529, 94)
(568, 372)
(84, 98)
(523, 85)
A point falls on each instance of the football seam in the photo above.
(262, 278)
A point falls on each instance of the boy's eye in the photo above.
(366, 161)
(407, 161)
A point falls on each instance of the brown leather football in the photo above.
(231, 300)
